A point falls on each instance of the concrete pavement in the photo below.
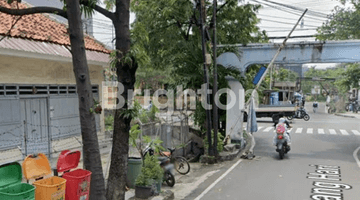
(199, 175)
(349, 114)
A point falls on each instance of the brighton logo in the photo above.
(175, 99)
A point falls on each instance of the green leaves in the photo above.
(343, 24)
(150, 172)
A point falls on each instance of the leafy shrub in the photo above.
(109, 122)
(150, 172)
(220, 143)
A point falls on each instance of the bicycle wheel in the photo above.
(181, 165)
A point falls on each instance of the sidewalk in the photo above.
(186, 184)
(349, 115)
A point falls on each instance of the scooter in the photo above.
(300, 114)
(281, 144)
(169, 169)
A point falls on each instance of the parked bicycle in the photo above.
(181, 164)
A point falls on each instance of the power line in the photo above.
(297, 8)
(317, 20)
(287, 10)
(286, 22)
(299, 36)
(307, 29)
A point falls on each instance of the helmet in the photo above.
(282, 120)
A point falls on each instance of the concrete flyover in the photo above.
(293, 53)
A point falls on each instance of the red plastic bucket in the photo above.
(77, 181)
(77, 184)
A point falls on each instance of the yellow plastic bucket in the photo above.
(52, 188)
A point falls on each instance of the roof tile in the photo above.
(39, 27)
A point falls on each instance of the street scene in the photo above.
(327, 141)
(179, 99)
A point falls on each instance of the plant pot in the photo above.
(134, 169)
(157, 187)
(143, 192)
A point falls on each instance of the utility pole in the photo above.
(215, 85)
(206, 75)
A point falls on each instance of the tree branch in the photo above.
(99, 9)
(12, 26)
(221, 7)
(33, 10)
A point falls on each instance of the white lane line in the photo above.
(218, 180)
(260, 128)
(356, 132)
(268, 129)
(344, 132)
(290, 130)
(356, 157)
(321, 131)
(298, 130)
(332, 131)
(309, 131)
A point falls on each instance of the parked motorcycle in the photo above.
(300, 114)
(280, 141)
(169, 169)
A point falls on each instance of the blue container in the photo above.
(274, 98)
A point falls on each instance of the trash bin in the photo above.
(133, 171)
(37, 167)
(11, 187)
(77, 181)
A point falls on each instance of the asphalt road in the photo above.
(320, 165)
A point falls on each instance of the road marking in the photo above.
(332, 131)
(356, 132)
(260, 128)
(298, 130)
(321, 131)
(290, 130)
(268, 129)
(218, 180)
(309, 131)
(344, 132)
(356, 157)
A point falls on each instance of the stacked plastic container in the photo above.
(77, 181)
(11, 187)
(37, 167)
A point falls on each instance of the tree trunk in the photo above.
(91, 152)
(126, 77)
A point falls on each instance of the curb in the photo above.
(341, 115)
(164, 195)
(230, 156)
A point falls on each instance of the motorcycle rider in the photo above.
(287, 135)
(315, 106)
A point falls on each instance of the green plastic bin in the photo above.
(11, 187)
(134, 169)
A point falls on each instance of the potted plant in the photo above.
(150, 179)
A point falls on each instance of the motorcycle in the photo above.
(281, 140)
(300, 114)
(169, 169)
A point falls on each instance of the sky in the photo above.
(277, 20)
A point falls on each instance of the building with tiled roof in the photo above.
(38, 97)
